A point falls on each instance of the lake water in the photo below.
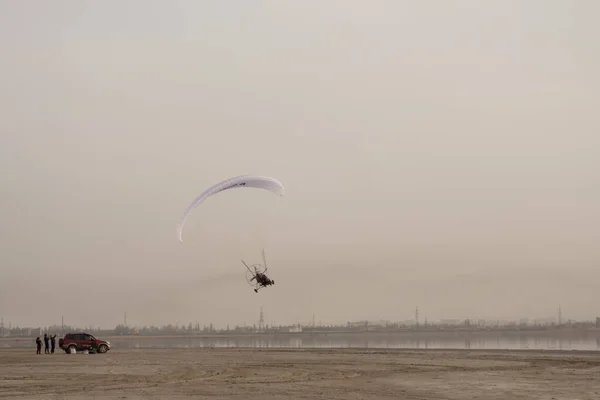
(507, 341)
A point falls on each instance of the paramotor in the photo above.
(257, 275)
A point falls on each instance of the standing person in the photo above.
(52, 343)
(38, 343)
(46, 344)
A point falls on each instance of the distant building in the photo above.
(381, 323)
(548, 321)
(356, 324)
(451, 322)
(371, 324)
(487, 323)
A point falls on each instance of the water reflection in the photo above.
(363, 341)
(513, 341)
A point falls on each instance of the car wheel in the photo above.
(102, 348)
(72, 349)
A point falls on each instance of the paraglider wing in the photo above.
(250, 181)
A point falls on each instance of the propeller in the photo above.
(243, 262)
(264, 259)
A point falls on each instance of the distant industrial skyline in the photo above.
(262, 320)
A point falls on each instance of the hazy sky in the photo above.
(444, 154)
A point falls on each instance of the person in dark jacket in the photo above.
(38, 343)
(46, 344)
(52, 343)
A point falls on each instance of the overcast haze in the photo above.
(443, 154)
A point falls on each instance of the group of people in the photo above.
(49, 344)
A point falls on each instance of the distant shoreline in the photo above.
(418, 334)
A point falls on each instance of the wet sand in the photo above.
(300, 374)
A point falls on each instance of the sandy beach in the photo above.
(300, 374)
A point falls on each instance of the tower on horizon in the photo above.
(559, 315)
(261, 320)
(417, 316)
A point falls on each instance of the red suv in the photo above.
(83, 341)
